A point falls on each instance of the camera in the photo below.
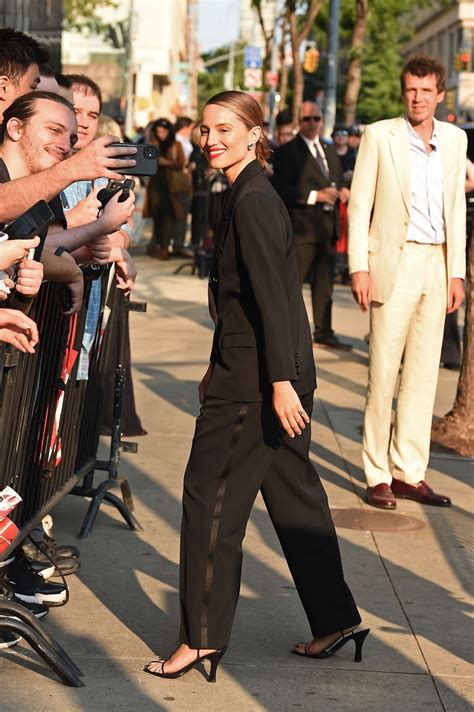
(33, 222)
(112, 188)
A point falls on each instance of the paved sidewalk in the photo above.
(411, 583)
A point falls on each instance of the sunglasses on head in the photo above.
(311, 118)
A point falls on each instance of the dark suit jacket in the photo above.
(262, 332)
(296, 173)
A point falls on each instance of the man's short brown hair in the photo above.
(85, 85)
(421, 65)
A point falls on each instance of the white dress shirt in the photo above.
(426, 224)
(187, 146)
(315, 145)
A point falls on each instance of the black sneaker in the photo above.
(44, 570)
(8, 639)
(37, 609)
(31, 587)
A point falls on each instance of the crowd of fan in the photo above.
(49, 151)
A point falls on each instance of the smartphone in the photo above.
(146, 157)
(33, 222)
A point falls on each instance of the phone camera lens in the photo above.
(150, 152)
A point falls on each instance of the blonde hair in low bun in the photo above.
(249, 111)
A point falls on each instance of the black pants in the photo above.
(316, 266)
(238, 449)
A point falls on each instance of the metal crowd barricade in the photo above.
(49, 433)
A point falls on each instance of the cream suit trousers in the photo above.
(409, 325)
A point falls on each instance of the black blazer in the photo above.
(262, 332)
(296, 173)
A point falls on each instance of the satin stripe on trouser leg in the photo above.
(233, 454)
(404, 323)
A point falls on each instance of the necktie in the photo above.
(320, 160)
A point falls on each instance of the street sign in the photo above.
(252, 57)
(271, 79)
(253, 78)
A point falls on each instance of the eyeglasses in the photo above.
(312, 118)
(341, 132)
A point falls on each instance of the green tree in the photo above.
(391, 24)
(212, 79)
(81, 15)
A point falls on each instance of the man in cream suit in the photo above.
(407, 261)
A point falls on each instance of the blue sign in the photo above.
(253, 58)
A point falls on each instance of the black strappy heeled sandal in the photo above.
(358, 638)
(214, 658)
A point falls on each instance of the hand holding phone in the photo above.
(146, 159)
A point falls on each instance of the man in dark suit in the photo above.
(308, 177)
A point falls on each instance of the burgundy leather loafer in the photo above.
(419, 493)
(381, 496)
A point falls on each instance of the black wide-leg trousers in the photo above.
(239, 449)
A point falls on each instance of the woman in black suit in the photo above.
(253, 432)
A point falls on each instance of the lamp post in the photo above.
(331, 69)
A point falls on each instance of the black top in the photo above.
(55, 204)
(296, 173)
(262, 331)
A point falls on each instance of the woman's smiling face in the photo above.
(224, 140)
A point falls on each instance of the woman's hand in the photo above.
(288, 408)
(202, 388)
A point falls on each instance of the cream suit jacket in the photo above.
(380, 202)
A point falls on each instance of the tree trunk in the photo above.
(354, 72)
(298, 78)
(455, 430)
(283, 65)
(297, 38)
(267, 38)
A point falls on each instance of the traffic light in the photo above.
(311, 60)
(462, 62)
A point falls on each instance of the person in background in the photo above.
(284, 127)
(184, 130)
(64, 87)
(355, 136)
(308, 177)
(120, 121)
(161, 201)
(199, 168)
(347, 158)
(48, 81)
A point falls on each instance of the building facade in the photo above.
(42, 19)
(143, 66)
